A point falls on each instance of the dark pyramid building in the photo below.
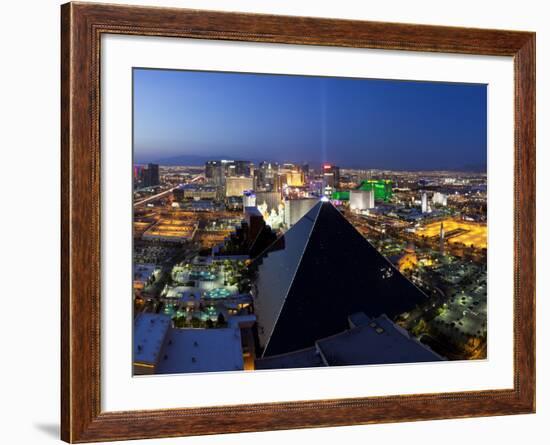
(316, 275)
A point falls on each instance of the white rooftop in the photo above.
(149, 333)
(374, 341)
(201, 350)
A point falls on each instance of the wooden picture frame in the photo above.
(82, 25)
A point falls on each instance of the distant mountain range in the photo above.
(479, 168)
(180, 160)
(199, 160)
(194, 160)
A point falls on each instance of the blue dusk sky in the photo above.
(187, 117)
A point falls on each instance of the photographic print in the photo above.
(289, 221)
(307, 203)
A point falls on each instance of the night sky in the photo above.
(187, 117)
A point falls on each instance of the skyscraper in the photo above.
(295, 209)
(295, 178)
(361, 199)
(424, 202)
(150, 175)
(439, 198)
(382, 188)
(218, 170)
(265, 175)
(331, 176)
(243, 168)
(279, 181)
(210, 168)
(237, 185)
(214, 171)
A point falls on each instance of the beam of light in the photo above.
(323, 88)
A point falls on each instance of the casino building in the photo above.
(315, 276)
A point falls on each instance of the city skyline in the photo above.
(182, 118)
(306, 222)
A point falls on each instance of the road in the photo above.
(154, 197)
